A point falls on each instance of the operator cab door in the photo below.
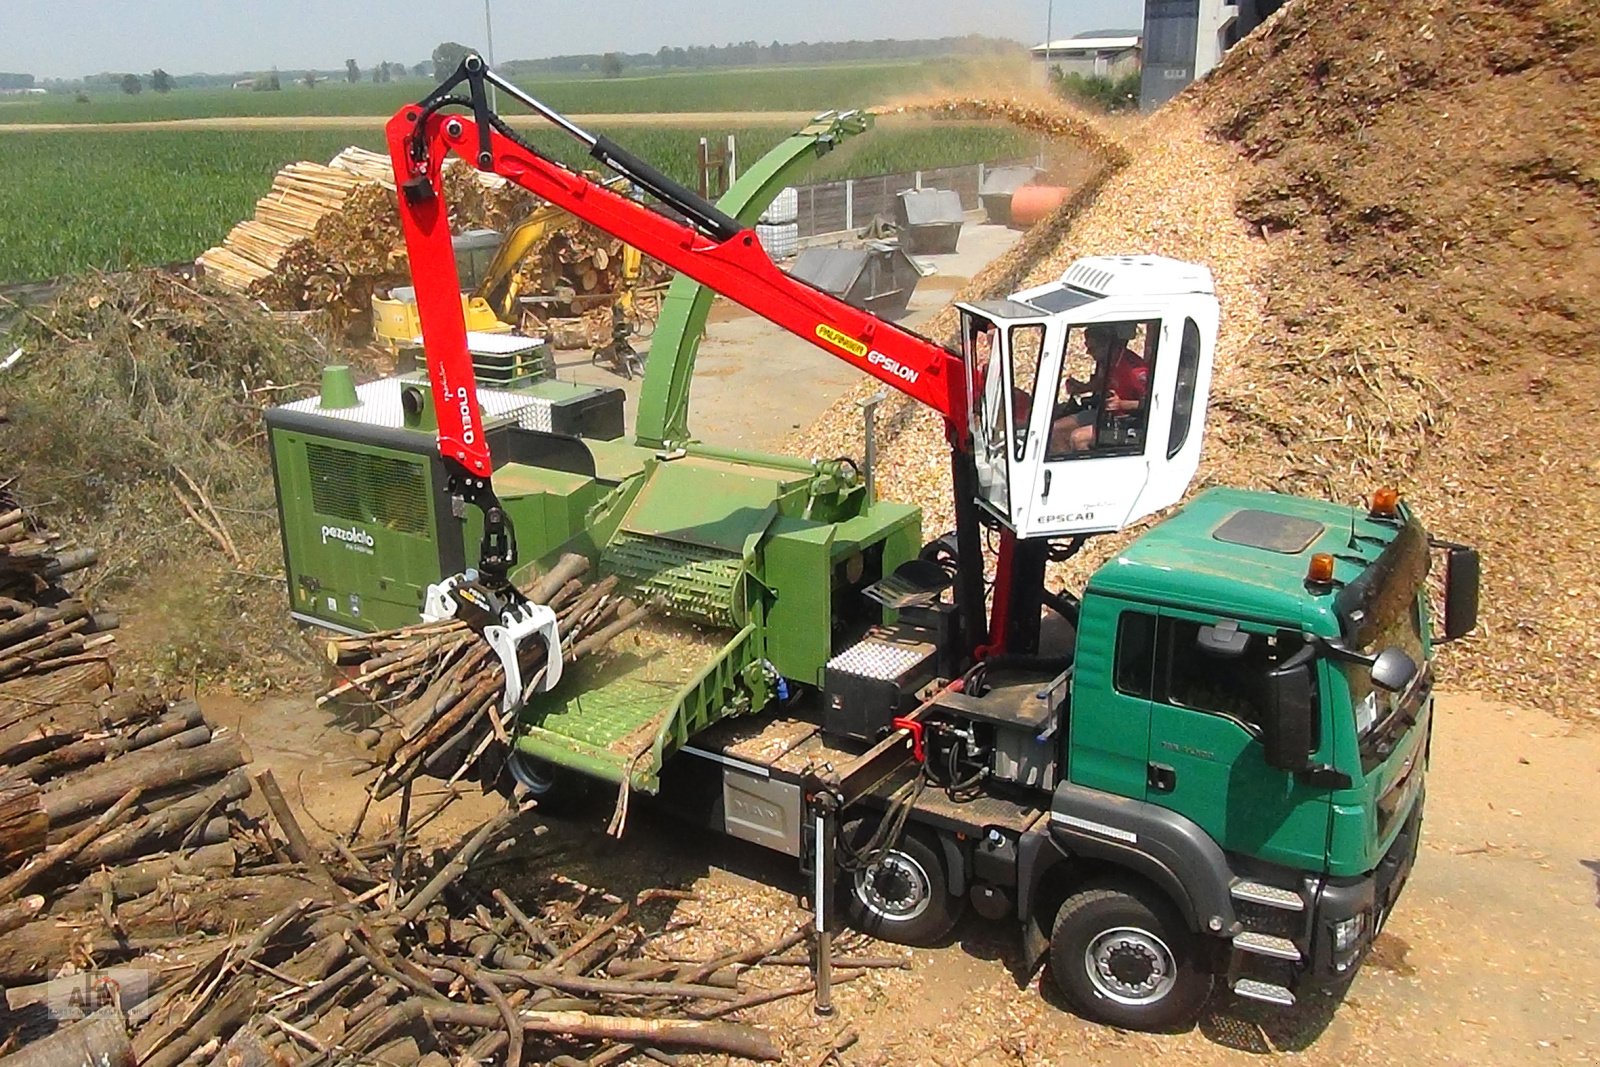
(1120, 416)
(1008, 356)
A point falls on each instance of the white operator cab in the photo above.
(1089, 394)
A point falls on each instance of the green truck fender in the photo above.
(1164, 848)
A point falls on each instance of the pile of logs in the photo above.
(144, 867)
(393, 957)
(43, 628)
(301, 194)
(438, 687)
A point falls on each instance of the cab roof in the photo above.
(1244, 553)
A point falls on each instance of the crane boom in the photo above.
(714, 250)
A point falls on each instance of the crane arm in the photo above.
(711, 247)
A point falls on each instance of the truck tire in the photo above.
(1124, 957)
(905, 897)
(554, 790)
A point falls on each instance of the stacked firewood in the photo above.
(439, 686)
(43, 628)
(585, 261)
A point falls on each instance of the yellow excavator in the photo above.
(491, 306)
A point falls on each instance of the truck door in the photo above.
(1111, 690)
(1206, 760)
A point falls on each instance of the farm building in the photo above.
(1098, 55)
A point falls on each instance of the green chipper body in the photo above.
(747, 557)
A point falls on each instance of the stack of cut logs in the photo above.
(302, 193)
(43, 629)
(440, 687)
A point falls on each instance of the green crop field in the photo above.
(842, 85)
(114, 199)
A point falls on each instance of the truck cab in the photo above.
(1247, 731)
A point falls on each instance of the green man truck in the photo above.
(1208, 763)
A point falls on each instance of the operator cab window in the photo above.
(1102, 404)
(1027, 345)
(979, 342)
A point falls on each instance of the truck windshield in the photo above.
(1383, 610)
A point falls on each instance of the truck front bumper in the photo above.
(1350, 912)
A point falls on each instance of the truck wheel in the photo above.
(905, 897)
(553, 789)
(1124, 957)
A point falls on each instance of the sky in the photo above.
(71, 38)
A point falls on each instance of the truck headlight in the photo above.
(1347, 932)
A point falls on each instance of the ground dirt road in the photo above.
(1492, 956)
(314, 122)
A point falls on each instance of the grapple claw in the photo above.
(505, 623)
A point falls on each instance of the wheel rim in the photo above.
(537, 776)
(1130, 966)
(896, 887)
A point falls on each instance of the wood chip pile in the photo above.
(1388, 315)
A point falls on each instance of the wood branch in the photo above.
(456, 867)
(14, 883)
(736, 1039)
(299, 847)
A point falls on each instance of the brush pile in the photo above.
(134, 422)
(439, 688)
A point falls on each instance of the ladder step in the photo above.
(1263, 991)
(1268, 895)
(1280, 948)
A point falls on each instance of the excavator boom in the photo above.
(713, 249)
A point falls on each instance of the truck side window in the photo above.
(1233, 686)
(1136, 653)
(1183, 396)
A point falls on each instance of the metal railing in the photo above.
(830, 207)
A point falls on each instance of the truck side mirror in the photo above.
(1393, 670)
(1224, 640)
(1460, 592)
(1289, 722)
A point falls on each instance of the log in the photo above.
(98, 1041)
(20, 913)
(183, 717)
(94, 789)
(133, 880)
(24, 826)
(736, 1039)
(246, 1049)
(137, 837)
